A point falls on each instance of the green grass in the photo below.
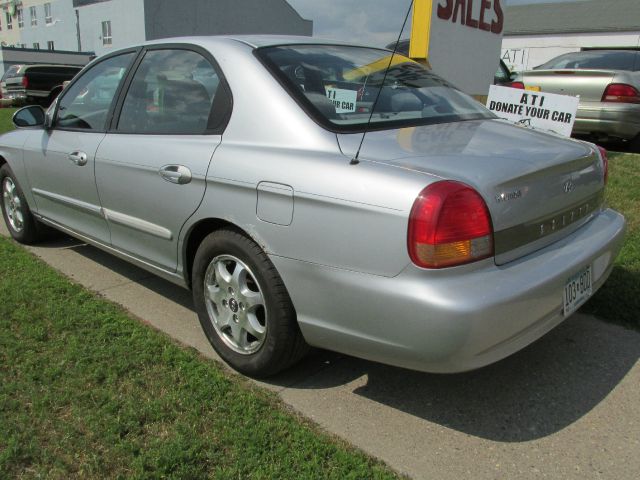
(5, 119)
(618, 300)
(88, 392)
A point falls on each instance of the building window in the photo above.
(106, 33)
(48, 19)
(20, 18)
(34, 16)
(36, 46)
(9, 21)
(50, 45)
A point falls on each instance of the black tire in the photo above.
(29, 231)
(282, 343)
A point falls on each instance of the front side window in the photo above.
(87, 101)
(33, 13)
(48, 18)
(338, 85)
(106, 33)
(172, 92)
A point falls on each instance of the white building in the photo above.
(537, 33)
(101, 26)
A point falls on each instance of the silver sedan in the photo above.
(441, 240)
(608, 84)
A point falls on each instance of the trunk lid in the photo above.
(538, 187)
(588, 84)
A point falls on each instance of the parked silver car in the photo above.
(443, 240)
(608, 83)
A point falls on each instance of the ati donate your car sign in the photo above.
(546, 111)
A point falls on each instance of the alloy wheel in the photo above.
(235, 304)
(12, 205)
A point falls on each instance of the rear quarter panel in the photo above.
(346, 216)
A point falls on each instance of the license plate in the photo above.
(577, 290)
(533, 88)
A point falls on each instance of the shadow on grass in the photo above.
(618, 301)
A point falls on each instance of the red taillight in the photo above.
(449, 225)
(519, 85)
(605, 163)
(25, 82)
(622, 93)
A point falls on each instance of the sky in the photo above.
(371, 22)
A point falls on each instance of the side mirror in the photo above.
(31, 116)
(50, 114)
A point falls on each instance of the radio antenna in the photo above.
(356, 159)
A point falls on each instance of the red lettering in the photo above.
(445, 11)
(460, 5)
(484, 5)
(471, 22)
(450, 9)
(498, 24)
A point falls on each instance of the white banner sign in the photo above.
(546, 111)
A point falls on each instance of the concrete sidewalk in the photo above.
(566, 407)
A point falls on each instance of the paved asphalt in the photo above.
(567, 407)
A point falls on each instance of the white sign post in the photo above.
(546, 111)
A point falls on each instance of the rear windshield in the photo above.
(596, 60)
(338, 86)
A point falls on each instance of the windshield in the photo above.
(338, 86)
(599, 60)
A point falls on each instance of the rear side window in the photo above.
(86, 103)
(596, 60)
(172, 92)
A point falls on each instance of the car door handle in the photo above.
(175, 174)
(79, 158)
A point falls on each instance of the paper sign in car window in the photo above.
(343, 100)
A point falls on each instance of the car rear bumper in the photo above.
(448, 320)
(608, 119)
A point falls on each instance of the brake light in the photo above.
(449, 225)
(519, 85)
(25, 82)
(605, 163)
(622, 93)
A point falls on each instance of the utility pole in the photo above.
(78, 30)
